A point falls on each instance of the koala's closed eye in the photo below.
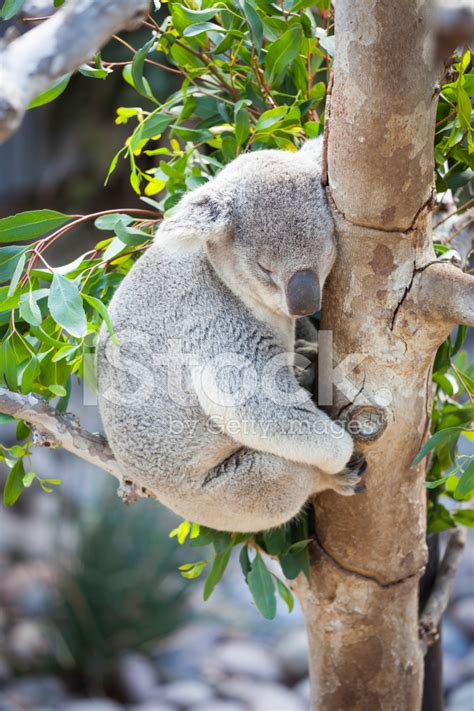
(265, 270)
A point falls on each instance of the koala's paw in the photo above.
(306, 364)
(348, 482)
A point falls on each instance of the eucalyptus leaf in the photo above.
(65, 305)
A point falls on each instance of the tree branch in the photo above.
(438, 601)
(61, 429)
(445, 293)
(31, 63)
(454, 28)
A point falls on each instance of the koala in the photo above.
(199, 399)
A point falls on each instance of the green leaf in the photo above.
(439, 519)
(181, 532)
(9, 258)
(464, 517)
(17, 274)
(216, 572)
(270, 118)
(28, 479)
(193, 570)
(285, 594)
(299, 546)
(242, 125)
(198, 15)
(276, 540)
(94, 72)
(102, 310)
(57, 390)
(136, 72)
(108, 222)
(200, 27)
(131, 236)
(245, 561)
(262, 587)
(9, 365)
(14, 484)
(31, 224)
(29, 374)
(450, 434)
(465, 485)
(10, 8)
(255, 25)
(65, 305)
(283, 51)
(50, 94)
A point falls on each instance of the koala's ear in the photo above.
(203, 215)
(313, 151)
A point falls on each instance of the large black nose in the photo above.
(303, 294)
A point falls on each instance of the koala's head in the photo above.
(267, 228)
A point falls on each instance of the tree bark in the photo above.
(361, 602)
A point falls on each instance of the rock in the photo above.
(219, 705)
(27, 587)
(455, 642)
(5, 672)
(134, 679)
(98, 704)
(152, 706)
(182, 656)
(26, 643)
(35, 691)
(262, 696)
(452, 672)
(186, 693)
(245, 658)
(5, 704)
(468, 665)
(304, 690)
(462, 699)
(462, 613)
(292, 651)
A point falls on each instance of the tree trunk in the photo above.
(387, 301)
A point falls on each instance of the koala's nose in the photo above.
(303, 293)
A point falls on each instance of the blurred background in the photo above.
(94, 614)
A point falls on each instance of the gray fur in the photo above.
(244, 467)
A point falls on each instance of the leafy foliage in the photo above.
(249, 74)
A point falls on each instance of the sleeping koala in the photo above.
(199, 400)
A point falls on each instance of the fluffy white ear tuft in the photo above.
(313, 151)
(202, 216)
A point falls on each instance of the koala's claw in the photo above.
(347, 482)
(357, 465)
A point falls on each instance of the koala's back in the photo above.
(157, 437)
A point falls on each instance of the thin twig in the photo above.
(430, 619)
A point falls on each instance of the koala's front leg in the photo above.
(306, 354)
(279, 418)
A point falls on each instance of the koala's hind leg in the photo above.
(252, 491)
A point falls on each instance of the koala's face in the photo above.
(265, 222)
(282, 237)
